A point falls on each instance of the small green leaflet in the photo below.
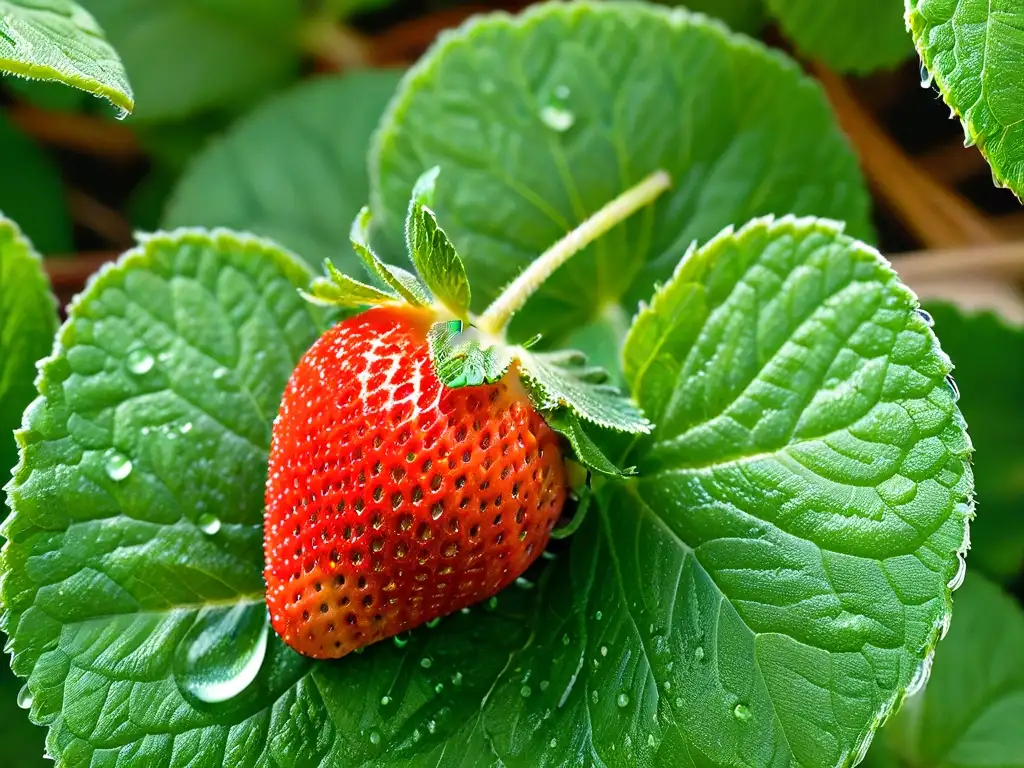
(404, 283)
(59, 40)
(432, 252)
(969, 714)
(566, 422)
(343, 291)
(972, 48)
(563, 379)
(28, 319)
(461, 360)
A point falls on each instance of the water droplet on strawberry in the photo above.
(223, 652)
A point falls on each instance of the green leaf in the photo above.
(294, 170)
(809, 472)
(742, 15)
(563, 379)
(461, 360)
(538, 120)
(857, 37)
(988, 364)
(28, 320)
(406, 284)
(31, 191)
(970, 713)
(58, 40)
(973, 50)
(432, 252)
(340, 290)
(184, 57)
(588, 453)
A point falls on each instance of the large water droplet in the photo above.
(209, 523)
(222, 653)
(557, 118)
(553, 743)
(622, 700)
(118, 467)
(926, 76)
(951, 383)
(140, 361)
(742, 712)
(25, 697)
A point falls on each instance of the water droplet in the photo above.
(953, 387)
(457, 679)
(667, 685)
(598, 616)
(25, 697)
(186, 428)
(698, 653)
(118, 467)
(222, 653)
(426, 662)
(525, 691)
(385, 700)
(742, 712)
(926, 76)
(557, 118)
(209, 523)
(926, 316)
(961, 572)
(140, 361)
(622, 700)
(553, 743)
(374, 738)
(921, 675)
(604, 650)
(220, 373)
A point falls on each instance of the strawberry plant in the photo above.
(546, 403)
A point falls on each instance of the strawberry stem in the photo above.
(497, 316)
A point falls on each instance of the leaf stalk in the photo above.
(496, 317)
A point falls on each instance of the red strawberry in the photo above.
(391, 499)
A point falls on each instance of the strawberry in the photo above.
(411, 472)
(392, 499)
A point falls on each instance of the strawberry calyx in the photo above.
(471, 350)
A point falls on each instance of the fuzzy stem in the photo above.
(497, 316)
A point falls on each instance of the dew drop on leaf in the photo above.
(140, 361)
(220, 373)
(385, 700)
(951, 383)
(553, 743)
(525, 691)
(426, 662)
(926, 76)
(927, 317)
(374, 738)
(741, 712)
(622, 700)
(209, 523)
(25, 697)
(223, 652)
(667, 685)
(557, 118)
(698, 653)
(118, 467)
(604, 650)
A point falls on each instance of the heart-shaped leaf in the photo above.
(538, 120)
(59, 40)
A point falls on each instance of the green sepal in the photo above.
(588, 453)
(563, 379)
(461, 359)
(340, 290)
(403, 282)
(432, 252)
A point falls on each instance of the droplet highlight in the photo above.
(557, 118)
(140, 361)
(209, 523)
